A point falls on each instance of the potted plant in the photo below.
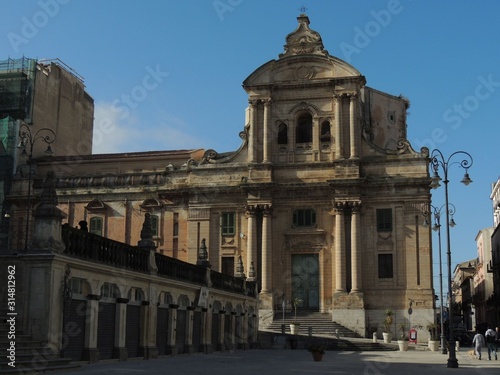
(294, 327)
(317, 351)
(433, 337)
(389, 317)
(403, 340)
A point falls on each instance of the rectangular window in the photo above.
(176, 224)
(228, 266)
(304, 218)
(384, 220)
(154, 225)
(385, 270)
(175, 237)
(228, 227)
(96, 225)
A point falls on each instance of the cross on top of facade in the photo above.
(302, 9)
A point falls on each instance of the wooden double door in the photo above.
(305, 280)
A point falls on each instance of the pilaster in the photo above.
(251, 238)
(120, 348)
(353, 126)
(340, 251)
(90, 351)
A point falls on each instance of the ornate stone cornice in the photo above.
(309, 241)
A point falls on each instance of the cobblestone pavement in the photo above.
(280, 361)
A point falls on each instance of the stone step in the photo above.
(268, 340)
(29, 370)
(30, 356)
(319, 323)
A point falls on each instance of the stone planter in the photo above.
(434, 345)
(294, 328)
(387, 337)
(403, 345)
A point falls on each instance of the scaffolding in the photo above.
(17, 78)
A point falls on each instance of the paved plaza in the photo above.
(280, 362)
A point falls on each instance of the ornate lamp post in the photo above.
(437, 228)
(437, 161)
(27, 141)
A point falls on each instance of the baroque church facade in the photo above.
(323, 201)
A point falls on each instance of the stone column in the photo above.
(120, 349)
(356, 248)
(267, 142)
(315, 137)
(208, 345)
(266, 250)
(148, 348)
(90, 351)
(252, 131)
(251, 237)
(338, 127)
(231, 340)
(188, 346)
(340, 253)
(353, 127)
(172, 324)
(221, 336)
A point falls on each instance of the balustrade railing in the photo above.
(94, 248)
(179, 270)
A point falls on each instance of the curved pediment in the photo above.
(96, 205)
(300, 69)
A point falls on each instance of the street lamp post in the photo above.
(437, 228)
(437, 161)
(27, 141)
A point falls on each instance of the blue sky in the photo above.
(168, 74)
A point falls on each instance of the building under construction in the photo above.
(38, 95)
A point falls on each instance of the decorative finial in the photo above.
(203, 255)
(240, 272)
(302, 9)
(146, 240)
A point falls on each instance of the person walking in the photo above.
(497, 340)
(490, 342)
(478, 343)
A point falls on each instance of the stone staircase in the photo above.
(28, 356)
(317, 328)
(314, 323)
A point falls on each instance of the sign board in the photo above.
(413, 335)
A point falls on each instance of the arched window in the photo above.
(96, 225)
(325, 132)
(304, 129)
(109, 290)
(282, 134)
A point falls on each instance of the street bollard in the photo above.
(374, 336)
(310, 330)
(457, 346)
